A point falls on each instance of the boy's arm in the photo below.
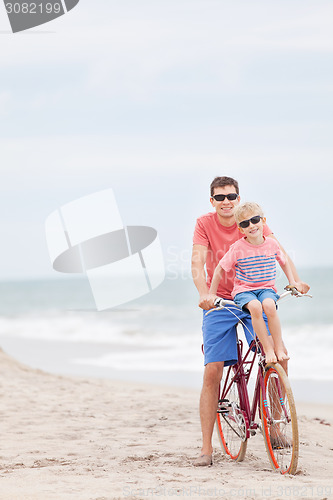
(301, 285)
(286, 267)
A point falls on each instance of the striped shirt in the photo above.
(254, 265)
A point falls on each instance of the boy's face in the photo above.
(254, 229)
(225, 208)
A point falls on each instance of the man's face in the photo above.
(225, 208)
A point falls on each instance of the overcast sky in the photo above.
(154, 98)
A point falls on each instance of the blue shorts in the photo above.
(264, 293)
(219, 334)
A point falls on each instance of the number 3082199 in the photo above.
(33, 8)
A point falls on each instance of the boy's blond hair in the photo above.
(249, 207)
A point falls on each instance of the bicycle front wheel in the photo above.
(279, 420)
(231, 424)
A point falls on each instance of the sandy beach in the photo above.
(76, 438)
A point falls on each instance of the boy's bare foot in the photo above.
(270, 357)
(282, 356)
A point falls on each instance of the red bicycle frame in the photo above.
(242, 372)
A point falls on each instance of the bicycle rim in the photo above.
(231, 425)
(279, 420)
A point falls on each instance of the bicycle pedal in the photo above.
(224, 406)
(223, 411)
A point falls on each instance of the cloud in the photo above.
(154, 99)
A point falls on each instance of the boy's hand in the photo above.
(301, 286)
(207, 301)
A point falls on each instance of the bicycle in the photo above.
(273, 397)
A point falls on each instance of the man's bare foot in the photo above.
(203, 461)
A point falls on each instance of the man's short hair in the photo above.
(222, 182)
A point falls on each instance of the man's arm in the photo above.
(199, 255)
(301, 285)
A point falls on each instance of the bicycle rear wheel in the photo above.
(279, 420)
(231, 422)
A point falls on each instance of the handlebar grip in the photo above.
(296, 293)
(219, 302)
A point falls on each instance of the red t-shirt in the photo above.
(210, 233)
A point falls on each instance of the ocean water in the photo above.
(53, 325)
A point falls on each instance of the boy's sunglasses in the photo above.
(246, 223)
(222, 197)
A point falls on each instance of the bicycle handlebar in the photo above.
(220, 303)
(291, 290)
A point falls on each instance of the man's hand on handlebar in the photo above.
(207, 301)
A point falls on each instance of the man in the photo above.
(213, 235)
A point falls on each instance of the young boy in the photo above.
(253, 258)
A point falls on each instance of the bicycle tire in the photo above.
(280, 407)
(232, 433)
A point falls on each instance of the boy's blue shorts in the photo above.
(219, 334)
(263, 293)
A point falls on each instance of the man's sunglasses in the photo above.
(246, 223)
(222, 197)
